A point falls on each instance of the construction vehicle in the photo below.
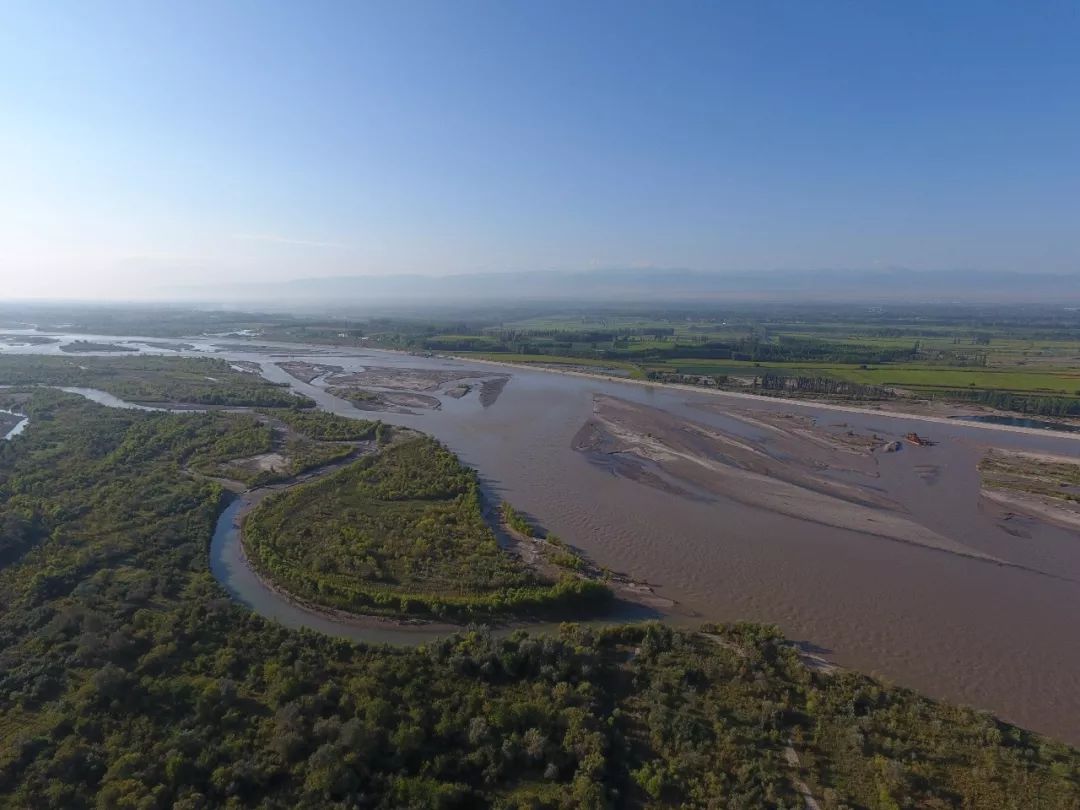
(919, 441)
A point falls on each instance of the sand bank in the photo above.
(794, 403)
(793, 476)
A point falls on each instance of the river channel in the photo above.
(997, 637)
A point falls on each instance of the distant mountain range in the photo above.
(660, 285)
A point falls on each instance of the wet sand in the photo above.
(8, 420)
(940, 413)
(490, 390)
(11, 424)
(1037, 486)
(791, 475)
(414, 379)
(306, 372)
(386, 401)
(399, 390)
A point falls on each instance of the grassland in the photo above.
(913, 376)
(556, 360)
(1047, 477)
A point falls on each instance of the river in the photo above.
(996, 637)
(18, 427)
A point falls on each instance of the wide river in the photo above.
(996, 637)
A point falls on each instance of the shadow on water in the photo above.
(811, 648)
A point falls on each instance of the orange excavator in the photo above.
(919, 441)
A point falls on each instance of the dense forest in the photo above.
(128, 679)
(402, 531)
(322, 426)
(1009, 401)
(802, 384)
(660, 347)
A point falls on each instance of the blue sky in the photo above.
(151, 143)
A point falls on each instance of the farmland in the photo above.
(1011, 359)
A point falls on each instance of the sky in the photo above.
(151, 145)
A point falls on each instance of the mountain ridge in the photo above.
(656, 284)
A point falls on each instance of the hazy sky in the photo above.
(148, 143)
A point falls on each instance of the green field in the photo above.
(1066, 383)
(556, 360)
(1005, 380)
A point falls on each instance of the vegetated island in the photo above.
(395, 401)
(77, 346)
(169, 345)
(277, 445)
(402, 532)
(129, 679)
(305, 371)
(397, 389)
(153, 380)
(403, 387)
(27, 340)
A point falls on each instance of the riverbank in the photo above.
(245, 503)
(234, 571)
(789, 475)
(12, 424)
(230, 540)
(787, 401)
(541, 553)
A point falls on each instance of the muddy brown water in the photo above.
(990, 636)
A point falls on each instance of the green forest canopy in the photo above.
(128, 679)
(401, 531)
(196, 380)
